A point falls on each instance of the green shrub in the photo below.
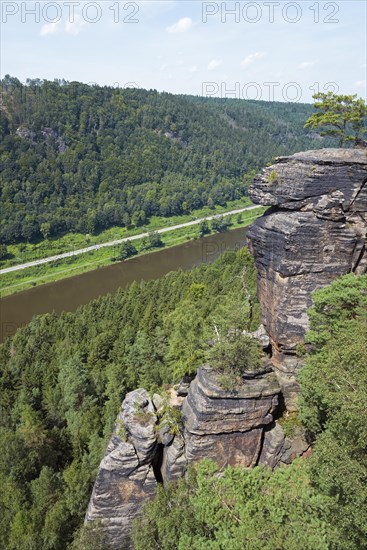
(127, 250)
(235, 355)
(273, 177)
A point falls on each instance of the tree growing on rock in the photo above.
(340, 115)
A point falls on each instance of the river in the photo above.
(72, 292)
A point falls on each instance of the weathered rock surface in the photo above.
(208, 409)
(261, 335)
(25, 133)
(126, 478)
(174, 463)
(48, 134)
(184, 386)
(228, 449)
(226, 426)
(139, 419)
(315, 232)
(278, 449)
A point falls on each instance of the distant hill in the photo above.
(83, 158)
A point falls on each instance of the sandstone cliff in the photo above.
(315, 232)
(146, 447)
(126, 474)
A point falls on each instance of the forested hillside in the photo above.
(80, 158)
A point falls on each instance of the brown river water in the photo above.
(70, 293)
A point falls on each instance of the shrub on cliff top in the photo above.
(235, 354)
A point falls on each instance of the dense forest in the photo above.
(62, 381)
(80, 158)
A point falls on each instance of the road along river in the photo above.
(118, 241)
(70, 293)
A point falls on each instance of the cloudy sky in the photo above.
(257, 50)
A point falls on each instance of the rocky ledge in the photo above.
(314, 232)
(227, 426)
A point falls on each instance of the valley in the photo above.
(183, 320)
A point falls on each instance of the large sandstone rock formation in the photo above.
(226, 426)
(315, 232)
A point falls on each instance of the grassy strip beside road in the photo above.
(27, 278)
(28, 252)
(116, 242)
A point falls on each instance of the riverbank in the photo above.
(18, 281)
(27, 252)
(70, 293)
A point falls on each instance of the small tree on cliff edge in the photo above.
(340, 115)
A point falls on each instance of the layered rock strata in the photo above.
(126, 477)
(226, 426)
(279, 449)
(314, 233)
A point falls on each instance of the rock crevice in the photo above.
(226, 426)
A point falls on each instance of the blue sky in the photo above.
(265, 50)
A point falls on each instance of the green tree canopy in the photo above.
(333, 405)
(153, 240)
(79, 158)
(127, 250)
(340, 115)
(237, 509)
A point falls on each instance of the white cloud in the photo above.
(49, 28)
(306, 64)
(182, 25)
(214, 64)
(251, 58)
(75, 27)
(360, 83)
(193, 69)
